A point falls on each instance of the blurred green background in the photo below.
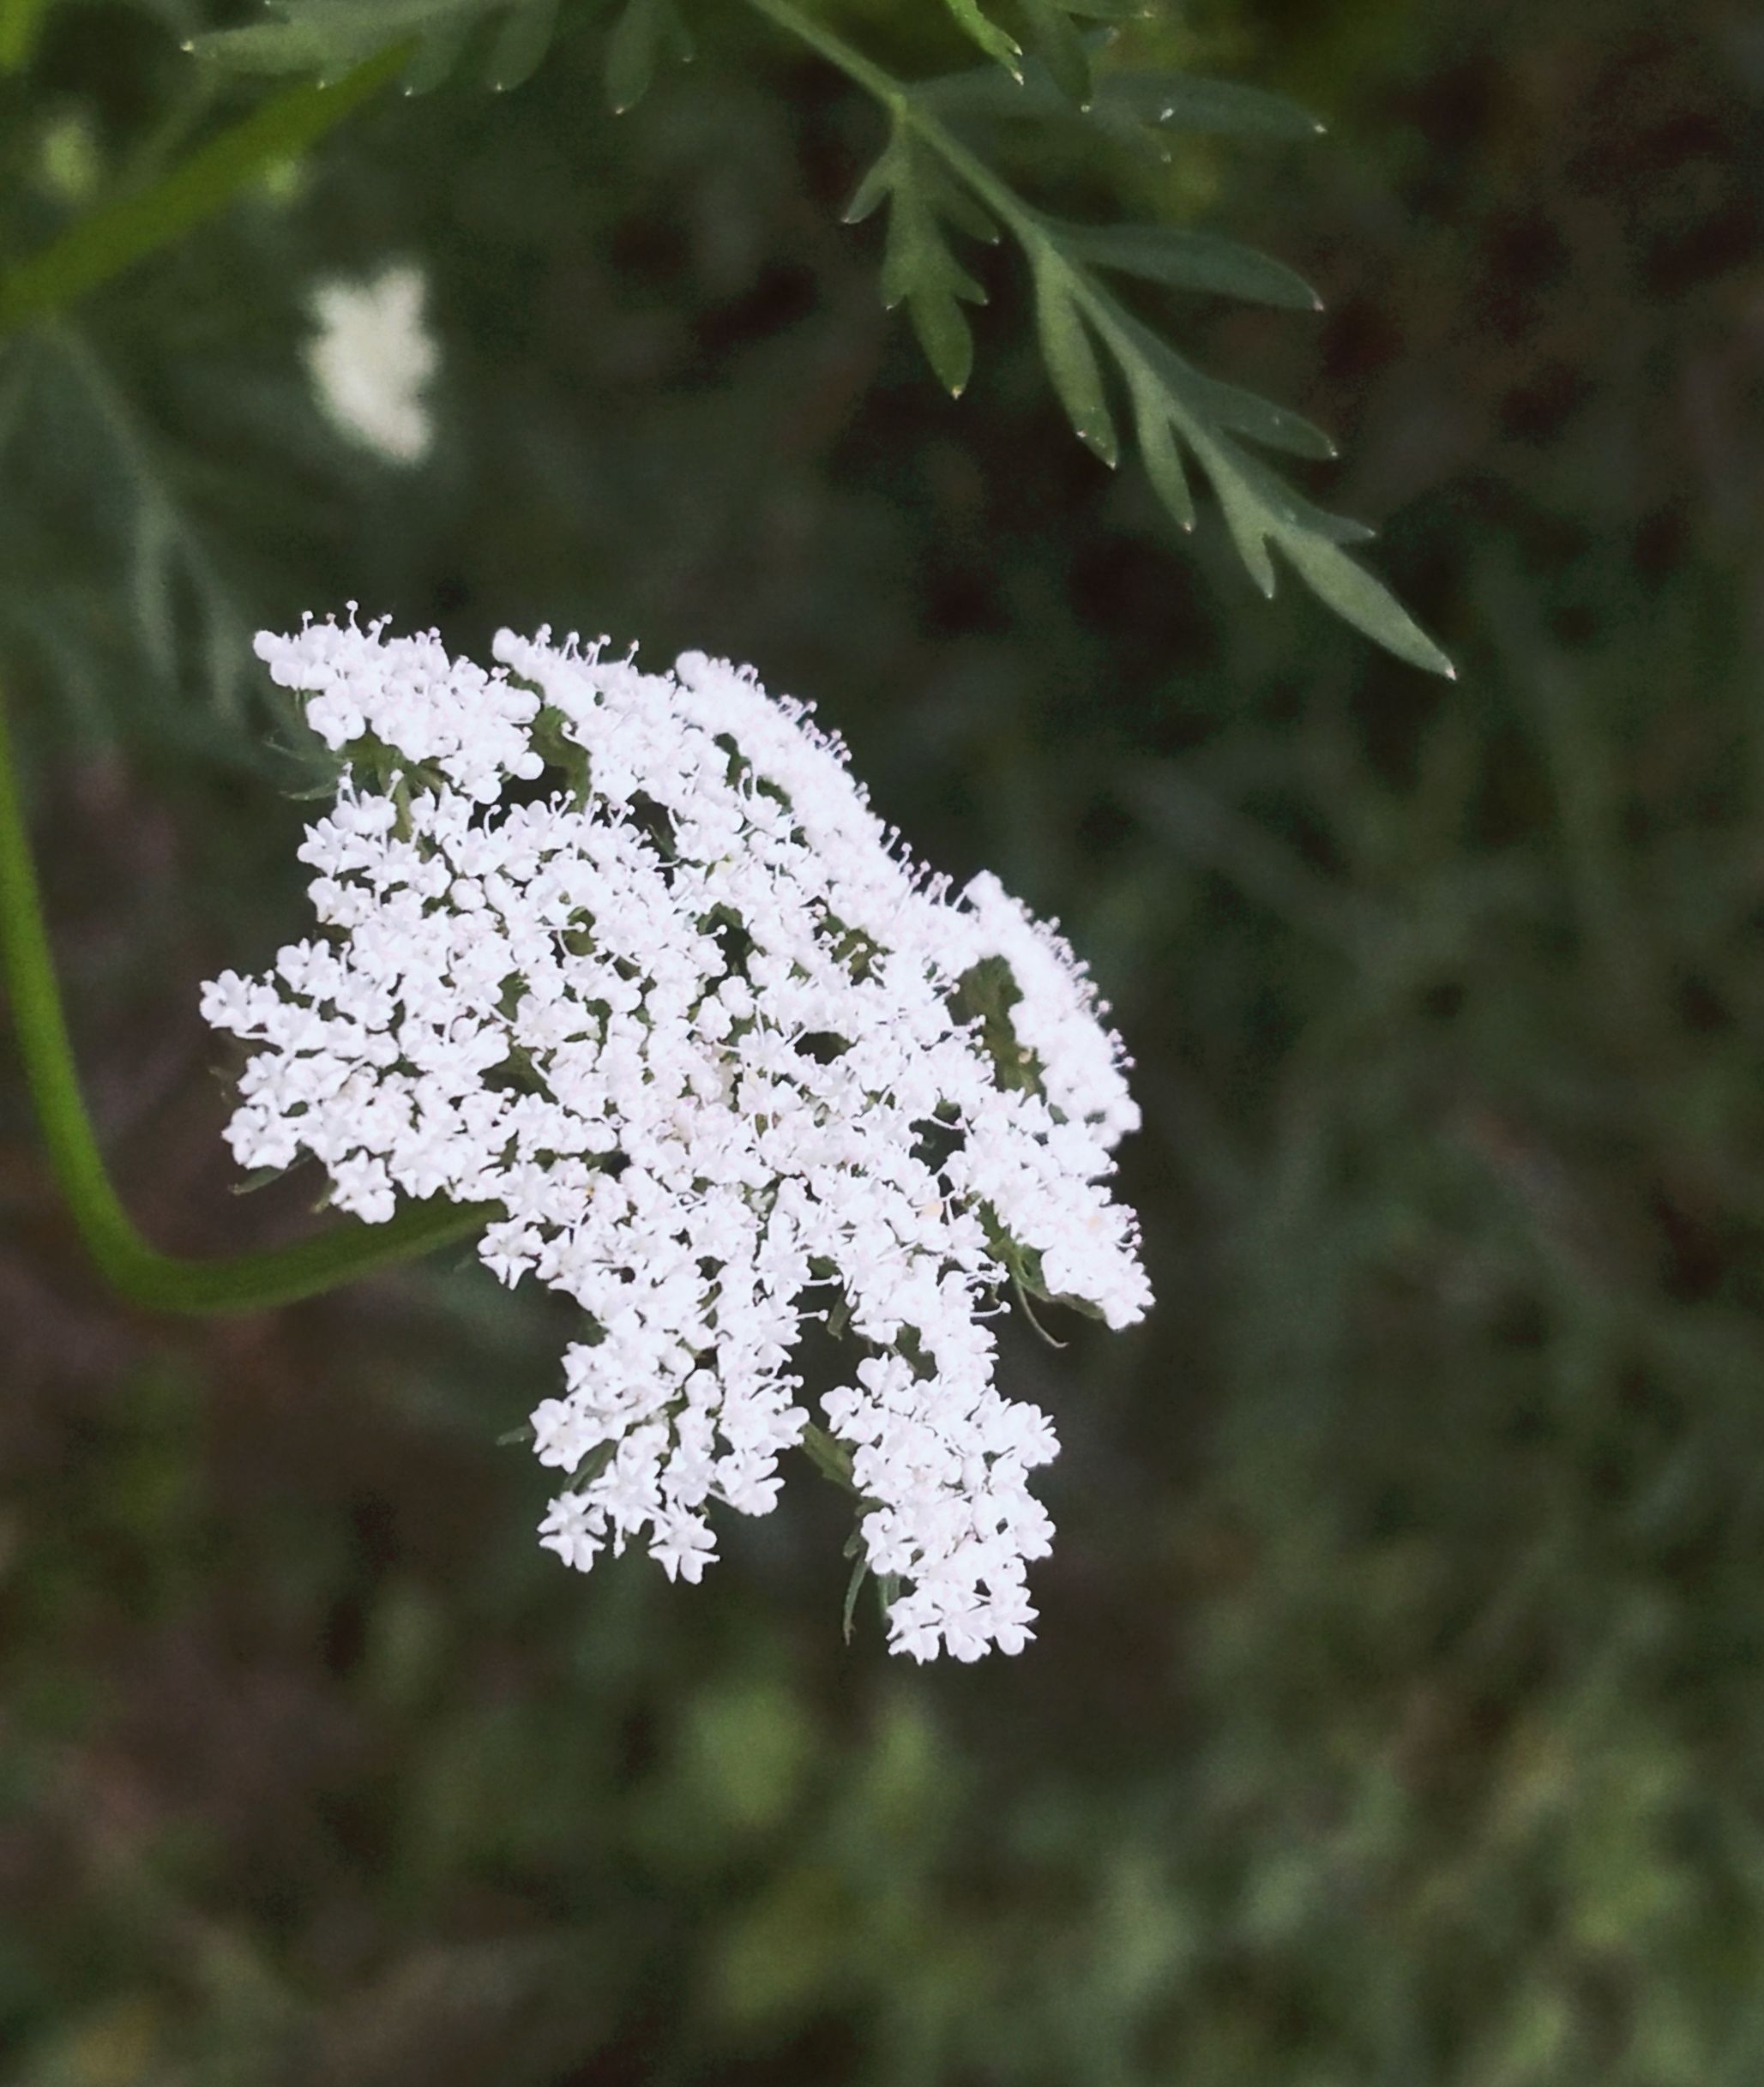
(1396, 1718)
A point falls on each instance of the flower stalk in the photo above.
(133, 1269)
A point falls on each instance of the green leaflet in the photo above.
(1059, 46)
(1127, 104)
(326, 36)
(522, 42)
(1228, 407)
(919, 269)
(1050, 35)
(640, 38)
(988, 35)
(1191, 260)
(329, 38)
(1183, 101)
(1072, 364)
(1176, 406)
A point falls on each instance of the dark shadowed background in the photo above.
(1396, 1716)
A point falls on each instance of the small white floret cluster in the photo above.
(628, 956)
(372, 358)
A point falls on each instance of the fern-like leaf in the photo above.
(1178, 408)
(1181, 416)
(919, 269)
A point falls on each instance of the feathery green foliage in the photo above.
(933, 182)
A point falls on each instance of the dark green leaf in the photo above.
(1190, 261)
(1366, 602)
(1060, 48)
(1182, 102)
(860, 1572)
(522, 42)
(639, 39)
(871, 194)
(988, 35)
(1072, 365)
(1163, 460)
(946, 340)
(962, 210)
(985, 91)
(329, 38)
(1245, 517)
(1294, 508)
(1228, 406)
(919, 269)
(266, 47)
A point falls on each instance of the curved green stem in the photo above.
(118, 233)
(164, 1282)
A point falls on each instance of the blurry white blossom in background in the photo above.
(372, 358)
(630, 957)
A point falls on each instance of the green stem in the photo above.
(907, 109)
(888, 90)
(241, 1283)
(909, 112)
(126, 230)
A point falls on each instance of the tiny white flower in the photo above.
(371, 361)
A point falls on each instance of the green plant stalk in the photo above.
(118, 233)
(162, 1282)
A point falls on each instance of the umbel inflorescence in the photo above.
(628, 956)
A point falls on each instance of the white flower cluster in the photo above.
(682, 1008)
(371, 360)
